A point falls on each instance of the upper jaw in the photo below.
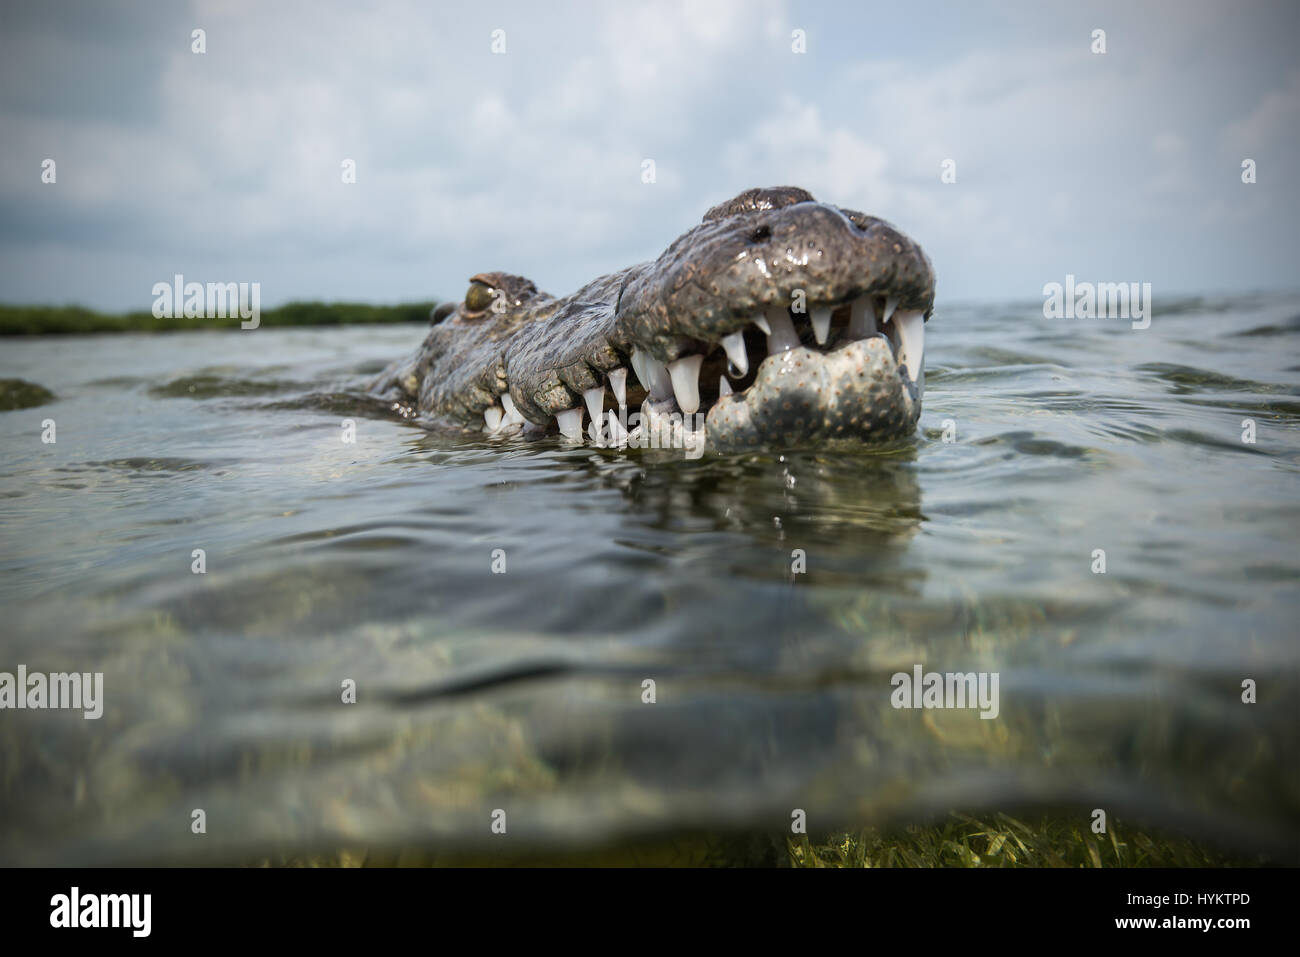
(722, 274)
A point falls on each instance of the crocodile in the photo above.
(777, 321)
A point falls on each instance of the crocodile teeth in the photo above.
(911, 342)
(618, 382)
(593, 432)
(782, 336)
(512, 416)
(653, 374)
(570, 423)
(639, 368)
(821, 323)
(762, 324)
(862, 318)
(685, 373)
(734, 345)
(595, 399)
(617, 434)
(724, 387)
(492, 416)
(891, 304)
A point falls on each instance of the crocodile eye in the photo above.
(479, 297)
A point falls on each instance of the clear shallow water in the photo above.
(522, 691)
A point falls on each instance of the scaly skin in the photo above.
(511, 357)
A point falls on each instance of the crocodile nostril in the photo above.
(761, 234)
(860, 222)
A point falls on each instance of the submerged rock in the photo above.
(19, 394)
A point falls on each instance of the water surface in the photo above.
(373, 561)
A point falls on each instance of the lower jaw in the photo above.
(854, 393)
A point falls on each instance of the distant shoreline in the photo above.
(18, 320)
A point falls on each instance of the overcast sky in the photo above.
(225, 166)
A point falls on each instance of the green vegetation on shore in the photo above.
(78, 320)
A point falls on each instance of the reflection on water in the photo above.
(769, 597)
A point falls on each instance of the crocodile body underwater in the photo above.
(778, 321)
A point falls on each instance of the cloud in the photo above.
(227, 164)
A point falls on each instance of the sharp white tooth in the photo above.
(891, 303)
(782, 336)
(617, 434)
(618, 382)
(821, 323)
(762, 324)
(636, 366)
(685, 373)
(570, 423)
(724, 387)
(661, 383)
(512, 415)
(862, 318)
(595, 399)
(911, 343)
(593, 433)
(734, 345)
(492, 418)
(653, 374)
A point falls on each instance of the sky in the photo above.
(227, 165)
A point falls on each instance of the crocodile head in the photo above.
(778, 320)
